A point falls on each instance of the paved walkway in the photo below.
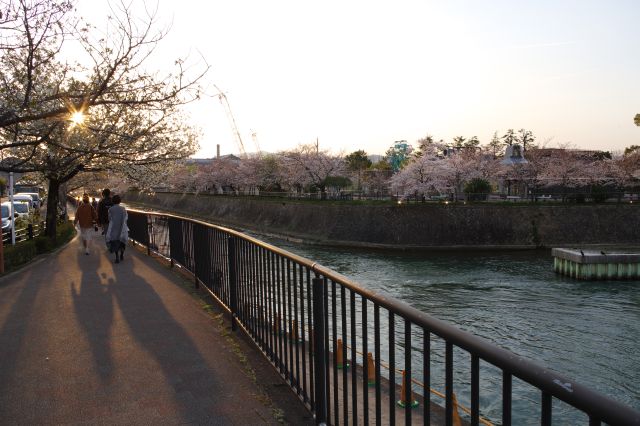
(87, 341)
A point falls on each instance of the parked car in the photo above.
(23, 198)
(23, 209)
(35, 197)
(6, 217)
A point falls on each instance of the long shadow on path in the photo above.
(17, 300)
(93, 307)
(84, 341)
(205, 388)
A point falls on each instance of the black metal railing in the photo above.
(573, 196)
(355, 356)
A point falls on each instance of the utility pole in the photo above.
(11, 210)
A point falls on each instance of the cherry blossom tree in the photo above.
(184, 177)
(482, 164)
(627, 169)
(604, 176)
(418, 178)
(376, 182)
(270, 172)
(424, 144)
(307, 166)
(454, 171)
(430, 173)
(221, 175)
(564, 168)
(132, 115)
(259, 173)
(530, 174)
(534, 177)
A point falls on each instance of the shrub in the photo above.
(43, 244)
(578, 198)
(65, 232)
(599, 193)
(477, 189)
(18, 254)
(24, 251)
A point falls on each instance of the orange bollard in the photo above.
(339, 359)
(403, 393)
(456, 416)
(371, 372)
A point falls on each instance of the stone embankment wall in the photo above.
(420, 225)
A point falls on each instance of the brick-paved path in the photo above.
(87, 341)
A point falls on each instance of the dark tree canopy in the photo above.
(358, 160)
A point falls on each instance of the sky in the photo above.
(354, 74)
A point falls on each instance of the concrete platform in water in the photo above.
(596, 264)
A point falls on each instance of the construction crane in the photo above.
(254, 136)
(232, 121)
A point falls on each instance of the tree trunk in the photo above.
(52, 209)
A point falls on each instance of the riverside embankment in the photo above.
(428, 225)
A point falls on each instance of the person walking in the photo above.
(117, 231)
(85, 216)
(103, 210)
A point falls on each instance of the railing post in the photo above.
(233, 277)
(149, 234)
(320, 367)
(30, 231)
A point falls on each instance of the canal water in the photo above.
(587, 331)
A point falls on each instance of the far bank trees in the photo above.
(308, 166)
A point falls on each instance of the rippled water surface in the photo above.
(588, 331)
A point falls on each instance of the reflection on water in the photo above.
(589, 331)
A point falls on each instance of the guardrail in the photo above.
(318, 327)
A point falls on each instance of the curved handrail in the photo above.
(557, 385)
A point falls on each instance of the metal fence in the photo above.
(556, 196)
(354, 356)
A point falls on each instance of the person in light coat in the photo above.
(117, 232)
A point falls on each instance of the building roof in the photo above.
(514, 155)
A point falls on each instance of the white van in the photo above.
(35, 198)
(23, 208)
